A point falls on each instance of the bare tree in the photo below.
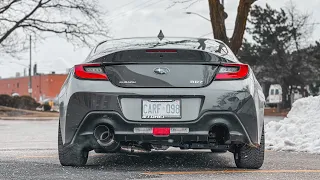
(278, 53)
(78, 21)
(301, 29)
(218, 17)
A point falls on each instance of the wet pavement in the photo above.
(28, 150)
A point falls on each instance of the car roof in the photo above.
(202, 44)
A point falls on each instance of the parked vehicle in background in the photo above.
(275, 95)
(15, 94)
(49, 105)
(40, 108)
(55, 105)
(44, 107)
(153, 93)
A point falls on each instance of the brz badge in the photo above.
(196, 82)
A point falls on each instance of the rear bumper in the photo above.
(241, 116)
(198, 129)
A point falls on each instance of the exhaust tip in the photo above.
(103, 133)
(104, 136)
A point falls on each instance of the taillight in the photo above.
(90, 71)
(232, 72)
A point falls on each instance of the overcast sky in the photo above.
(128, 18)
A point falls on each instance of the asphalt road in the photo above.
(28, 150)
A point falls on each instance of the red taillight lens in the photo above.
(90, 71)
(232, 71)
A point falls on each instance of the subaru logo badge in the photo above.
(161, 70)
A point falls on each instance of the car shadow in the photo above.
(162, 161)
(118, 165)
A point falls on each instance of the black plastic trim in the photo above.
(163, 122)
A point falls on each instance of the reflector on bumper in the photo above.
(161, 131)
(142, 130)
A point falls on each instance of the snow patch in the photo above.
(299, 131)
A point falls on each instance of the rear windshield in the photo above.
(154, 55)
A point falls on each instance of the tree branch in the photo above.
(78, 21)
(23, 19)
(6, 7)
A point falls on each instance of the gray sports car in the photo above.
(145, 94)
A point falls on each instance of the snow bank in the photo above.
(300, 131)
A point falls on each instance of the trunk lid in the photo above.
(146, 75)
(167, 68)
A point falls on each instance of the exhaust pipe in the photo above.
(105, 137)
(133, 149)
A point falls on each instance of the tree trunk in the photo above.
(217, 16)
(240, 24)
(286, 96)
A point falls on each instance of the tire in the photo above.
(71, 155)
(250, 157)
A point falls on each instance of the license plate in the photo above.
(161, 109)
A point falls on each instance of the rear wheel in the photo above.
(250, 157)
(71, 155)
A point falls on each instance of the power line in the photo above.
(13, 62)
(134, 9)
(148, 5)
(122, 13)
(141, 8)
(122, 6)
(252, 28)
(206, 34)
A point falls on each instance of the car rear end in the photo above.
(152, 98)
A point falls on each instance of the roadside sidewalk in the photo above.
(29, 118)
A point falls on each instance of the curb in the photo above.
(29, 118)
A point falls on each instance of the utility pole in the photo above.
(30, 75)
